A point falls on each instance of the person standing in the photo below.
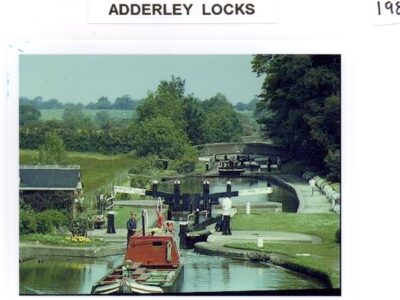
(131, 226)
(312, 185)
(160, 219)
(226, 213)
(278, 163)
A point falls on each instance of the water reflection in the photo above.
(216, 274)
(202, 274)
(63, 276)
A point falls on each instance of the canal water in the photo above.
(202, 273)
(60, 275)
(218, 184)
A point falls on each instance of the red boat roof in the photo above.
(153, 251)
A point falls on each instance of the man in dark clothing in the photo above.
(131, 226)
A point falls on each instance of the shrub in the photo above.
(308, 175)
(186, 163)
(332, 162)
(27, 221)
(48, 220)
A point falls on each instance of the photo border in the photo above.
(162, 47)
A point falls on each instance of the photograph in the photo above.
(180, 174)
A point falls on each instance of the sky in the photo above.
(85, 78)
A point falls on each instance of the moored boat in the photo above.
(230, 167)
(152, 265)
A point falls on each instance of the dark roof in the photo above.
(49, 177)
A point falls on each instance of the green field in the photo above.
(56, 114)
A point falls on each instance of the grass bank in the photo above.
(98, 170)
(324, 257)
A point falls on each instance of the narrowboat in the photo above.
(230, 167)
(152, 265)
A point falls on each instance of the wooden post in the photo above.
(143, 223)
(183, 226)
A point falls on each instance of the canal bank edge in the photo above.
(275, 259)
(307, 203)
(29, 251)
(318, 203)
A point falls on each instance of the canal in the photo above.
(61, 275)
(202, 273)
(218, 184)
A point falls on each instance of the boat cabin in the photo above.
(153, 251)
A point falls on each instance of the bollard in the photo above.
(228, 186)
(260, 242)
(183, 226)
(143, 223)
(154, 186)
(177, 194)
(197, 217)
(206, 188)
(247, 207)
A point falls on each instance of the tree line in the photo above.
(124, 102)
(300, 106)
(240, 106)
(167, 123)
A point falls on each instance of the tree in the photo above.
(103, 103)
(300, 105)
(124, 102)
(52, 151)
(195, 117)
(159, 136)
(73, 114)
(37, 102)
(52, 104)
(241, 106)
(24, 101)
(91, 105)
(166, 101)
(28, 114)
(222, 123)
(102, 119)
(252, 104)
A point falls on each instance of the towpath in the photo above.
(267, 236)
(308, 202)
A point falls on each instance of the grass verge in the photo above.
(324, 257)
